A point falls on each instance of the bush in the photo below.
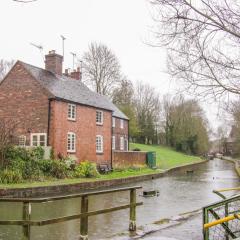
(54, 168)
(37, 153)
(10, 176)
(86, 169)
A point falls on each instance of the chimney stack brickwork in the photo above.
(54, 62)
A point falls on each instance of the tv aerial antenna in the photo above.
(40, 47)
(74, 56)
(63, 39)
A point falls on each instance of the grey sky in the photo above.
(123, 25)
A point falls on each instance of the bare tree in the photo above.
(101, 69)
(7, 135)
(147, 105)
(202, 38)
(4, 67)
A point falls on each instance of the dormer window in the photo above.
(99, 117)
(72, 112)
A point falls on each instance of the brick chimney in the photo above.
(54, 62)
(76, 74)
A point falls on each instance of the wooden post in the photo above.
(26, 217)
(132, 223)
(84, 220)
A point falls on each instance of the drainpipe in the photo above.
(111, 142)
(49, 119)
(128, 135)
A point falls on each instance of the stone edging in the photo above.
(74, 187)
(235, 162)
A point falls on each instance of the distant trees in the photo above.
(5, 67)
(101, 69)
(123, 97)
(202, 38)
(185, 126)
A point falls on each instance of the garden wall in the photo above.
(129, 159)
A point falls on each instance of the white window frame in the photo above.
(113, 121)
(22, 141)
(126, 144)
(72, 112)
(113, 142)
(121, 123)
(71, 136)
(38, 139)
(101, 118)
(122, 143)
(99, 150)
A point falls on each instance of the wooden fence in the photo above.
(26, 222)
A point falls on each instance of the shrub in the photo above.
(10, 176)
(17, 153)
(54, 168)
(31, 170)
(86, 169)
(37, 153)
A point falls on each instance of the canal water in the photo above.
(179, 192)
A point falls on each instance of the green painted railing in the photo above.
(221, 219)
(27, 223)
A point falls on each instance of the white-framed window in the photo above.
(72, 112)
(38, 139)
(121, 143)
(22, 141)
(113, 121)
(113, 143)
(121, 123)
(99, 117)
(99, 144)
(71, 142)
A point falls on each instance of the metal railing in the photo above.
(27, 223)
(221, 220)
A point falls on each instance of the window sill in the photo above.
(71, 119)
(71, 151)
(99, 124)
(99, 153)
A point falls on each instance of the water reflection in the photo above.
(179, 192)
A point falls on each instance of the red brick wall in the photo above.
(120, 132)
(129, 159)
(85, 129)
(24, 100)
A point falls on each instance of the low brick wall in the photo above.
(129, 159)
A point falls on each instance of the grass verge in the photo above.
(166, 157)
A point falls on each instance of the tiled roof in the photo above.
(72, 90)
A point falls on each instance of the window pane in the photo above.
(99, 117)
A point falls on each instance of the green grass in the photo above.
(113, 175)
(167, 157)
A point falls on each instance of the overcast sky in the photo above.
(123, 25)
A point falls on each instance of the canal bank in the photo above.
(91, 185)
(179, 191)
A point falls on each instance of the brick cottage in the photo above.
(58, 110)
